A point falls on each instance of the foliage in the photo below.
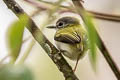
(92, 38)
(15, 35)
(10, 72)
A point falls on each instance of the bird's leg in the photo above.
(76, 63)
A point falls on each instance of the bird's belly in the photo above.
(69, 50)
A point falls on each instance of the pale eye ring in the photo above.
(60, 24)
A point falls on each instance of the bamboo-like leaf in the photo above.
(14, 36)
(92, 38)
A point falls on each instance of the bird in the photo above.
(70, 38)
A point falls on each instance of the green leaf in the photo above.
(10, 72)
(15, 35)
(92, 38)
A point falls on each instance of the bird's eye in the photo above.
(60, 24)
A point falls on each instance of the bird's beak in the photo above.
(51, 27)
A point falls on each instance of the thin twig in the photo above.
(26, 39)
(49, 5)
(35, 13)
(41, 6)
(50, 49)
(25, 55)
(103, 16)
(81, 10)
(1, 61)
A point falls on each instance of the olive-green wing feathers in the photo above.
(68, 38)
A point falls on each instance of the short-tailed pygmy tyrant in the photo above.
(70, 38)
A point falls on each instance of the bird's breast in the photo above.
(69, 50)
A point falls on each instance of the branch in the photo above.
(49, 5)
(79, 7)
(50, 49)
(103, 16)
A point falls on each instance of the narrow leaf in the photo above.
(92, 38)
(15, 35)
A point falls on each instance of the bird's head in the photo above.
(65, 22)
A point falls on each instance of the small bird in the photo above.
(70, 38)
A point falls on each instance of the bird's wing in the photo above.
(68, 38)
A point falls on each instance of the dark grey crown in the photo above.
(65, 21)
